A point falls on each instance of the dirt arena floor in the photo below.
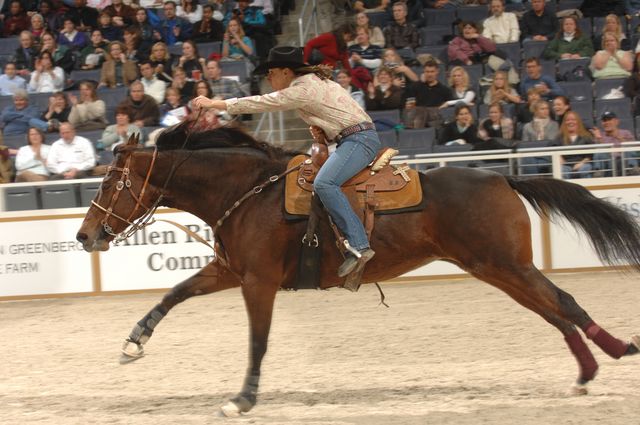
(456, 352)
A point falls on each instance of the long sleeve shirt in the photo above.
(528, 82)
(323, 103)
(89, 111)
(559, 45)
(26, 160)
(154, 88)
(64, 156)
(327, 45)
(400, 36)
(16, 121)
(502, 29)
(8, 86)
(545, 24)
(45, 82)
(110, 137)
(462, 49)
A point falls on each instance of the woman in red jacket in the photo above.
(331, 47)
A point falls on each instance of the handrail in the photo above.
(271, 130)
(304, 27)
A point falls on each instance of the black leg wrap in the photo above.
(248, 397)
(143, 330)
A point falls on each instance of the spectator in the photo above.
(121, 131)
(58, 111)
(109, 31)
(162, 61)
(131, 36)
(236, 44)
(251, 18)
(344, 79)
(501, 91)
(152, 85)
(363, 53)
(121, 14)
(31, 160)
(50, 15)
(573, 133)
(594, 8)
(544, 83)
(612, 24)
(423, 99)
(524, 111)
(225, 88)
(173, 29)
(46, 78)
(208, 29)
(400, 33)
(181, 83)
(145, 112)
(459, 83)
(539, 23)
(26, 54)
(501, 26)
(611, 62)
(93, 56)
(612, 134)
(569, 43)
(87, 113)
(173, 100)
(542, 127)
(6, 166)
(330, 48)
(190, 61)
(37, 26)
(369, 6)
(10, 81)
(462, 130)
(16, 20)
(17, 118)
(71, 156)
(375, 33)
(560, 106)
(382, 94)
(392, 60)
(117, 70)
(147, 34)
(173, 111)
(190, 11)
(470, 47)
(200, 88)
(84, 17)
(71, 37)
(61, 55)
(496, 125)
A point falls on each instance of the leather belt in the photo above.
(363, 126)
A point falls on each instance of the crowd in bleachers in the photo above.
(483, 74)
(103, 70)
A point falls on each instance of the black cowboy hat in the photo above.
(282, 57)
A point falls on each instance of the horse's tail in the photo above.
(614, 234)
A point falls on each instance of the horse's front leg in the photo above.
(259, 299)
(211, 278)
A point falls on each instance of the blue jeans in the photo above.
(39, 124)
(602, 161)
(353, 155)
(583, 173)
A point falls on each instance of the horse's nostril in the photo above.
(81, 237)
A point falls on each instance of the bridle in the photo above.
(146, 219)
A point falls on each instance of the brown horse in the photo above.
(473, 219)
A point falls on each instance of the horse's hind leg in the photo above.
(211, 278)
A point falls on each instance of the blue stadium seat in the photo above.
(9, 45)
(472, 13)
(434, 35)
(533, 48)
(568, 65)
(378, 19)
(577, 90)
(419, 140)
(392, 115)
(235, 68)
(603, 86)
(622, 107)
(21, 198)
(438, 52)
(438, 17)
(388, 138)
(207, 49)
(568, 4)
(85, 74)
(88, 192)
(58, 196)
(113, 96)
(585, 110)
(585, 26)
(406, 53)
(15, 141)
(513, 52)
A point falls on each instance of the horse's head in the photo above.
(125, 195)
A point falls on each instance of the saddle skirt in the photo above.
(394, 187)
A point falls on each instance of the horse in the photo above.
(473, 218)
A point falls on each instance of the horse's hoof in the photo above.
(579, 389)
(131, 351)
(230, 410)
(635, 341)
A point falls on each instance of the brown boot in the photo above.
(351, 261)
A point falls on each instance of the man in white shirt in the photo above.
(501, 26)
(152, 85)
(71, 156)
(10, 82)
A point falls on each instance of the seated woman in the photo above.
(132, 51)
(190, 61)
(200, 88)
(119, 132)
(181, 84)
(70, 37)
(542, 129)
(330, 48)
(37, 26)
(26, 54)
(46, 78)
(392, 60)
(612, 24)
(189, 10)
(162, 61)
(524, 111)
(376, 37)
(382, 94)
(496, 125)
(236, 44)
(117, 70)
(569, 43)
(147, 36)
(611, 62)
(61, 55)
(93, 56)
(560, 106)
(31, 160)
(88, 112)
(172, 101)
(460, 131)
(109, 31)
(208, 29)
(459, 83)
(470, 47)
(572, 132)
(344, 79)
(501, 90)
(58, 111)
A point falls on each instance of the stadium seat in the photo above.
(86, 74)
(533, 48)
(472, 13)
(438, 52)
(419, 140)
(207, 49)
(58, 196)
(568, 65)
(21, 198)
(603, 86)
(88, 192)
(577, 90)
(513, 52)
(585, 26)
(15, 141)
(407, 54)
(568, 4)
(621, 107)
(475, 71)
(378, 19)
(584, 108)
(438, 17)
(388, 138)
(392, 115)
(235, 68)
(434, 35)
(9, 45)
(113, 96)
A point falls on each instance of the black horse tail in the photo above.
(614, 234)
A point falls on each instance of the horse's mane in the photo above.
(230, 136)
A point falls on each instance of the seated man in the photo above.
(16, 20)
(611, 133)
(17, 118)
(363, 53)
(71, 156)
(501, 26)
(538, 23)
(10, 81)
(208, 29)
(145, 111)
(152, 85)
(370, 5)
(423, 99)
(400, 33)
(225, 88)
(545, 84)
(173, 29)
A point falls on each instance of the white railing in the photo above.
(267, 117)
(305, 25)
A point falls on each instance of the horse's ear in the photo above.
(133, 140)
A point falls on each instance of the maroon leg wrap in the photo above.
(588, 364)
(603, 339)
